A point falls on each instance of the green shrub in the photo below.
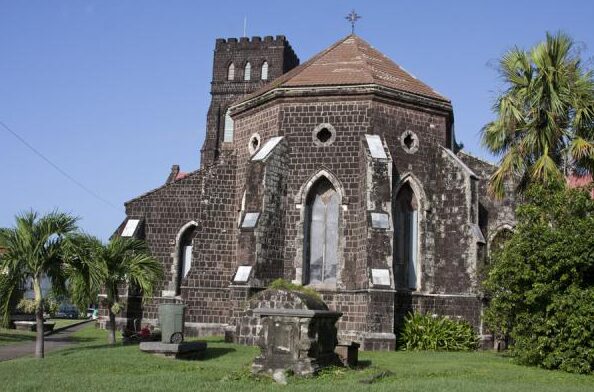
(282, 284)
(27, 306)
(541, 283)
(430, 332)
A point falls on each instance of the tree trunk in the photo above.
(39, 342)
(111, 338)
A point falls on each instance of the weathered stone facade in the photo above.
(406, 219)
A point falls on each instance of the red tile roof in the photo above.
(579, 181)
(181, 175)
(351, 61)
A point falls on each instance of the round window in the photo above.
(324, 135)
(254, 143)
(409, 142)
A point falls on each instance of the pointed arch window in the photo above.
(231, 72)
(264, 73)
(321, 233)
(184, 256)
(247, 73)
(407, 235)
(228, 133)
(499, 239)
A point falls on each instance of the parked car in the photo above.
(93, 313)
(67, 311)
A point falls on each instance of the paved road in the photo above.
(57, 340)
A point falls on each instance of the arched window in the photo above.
(184, 256)
(321, 233)
(247, 73)
(228, 134)
(499, 239)
(264, 73)
(406, 230)
(231, 72)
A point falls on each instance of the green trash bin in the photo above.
(171, 318)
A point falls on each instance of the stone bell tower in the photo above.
(240, 67)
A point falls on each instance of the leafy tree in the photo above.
(34, 248)
(124, 261)
(541, 282)
(544, 128)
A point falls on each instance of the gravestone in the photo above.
(300, 339)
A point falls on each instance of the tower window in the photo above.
(228, 134)
(247, 75)
(264, 73)
(231, 72)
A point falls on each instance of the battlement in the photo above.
(279, 39)
(254, 43)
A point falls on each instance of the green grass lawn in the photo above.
(12, 336)
(64, 322)
(93, 365)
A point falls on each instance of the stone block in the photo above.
(187, 350)
(348, 353)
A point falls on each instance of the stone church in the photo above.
(342, 174)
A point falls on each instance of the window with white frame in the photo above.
(228, 134)
(247, 73)
(231, 72)
(264, 73)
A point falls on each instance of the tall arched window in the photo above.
(231, 72)
(247, 73)
(264, 73)
(228, 134)
(407, 235)
(321, 233)
(184, 256)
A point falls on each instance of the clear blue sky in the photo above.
(115, 92)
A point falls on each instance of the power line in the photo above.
(60, 170)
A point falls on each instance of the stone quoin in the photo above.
(342, 174)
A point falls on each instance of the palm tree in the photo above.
(34, 249)
(125, 261)
(544, 128)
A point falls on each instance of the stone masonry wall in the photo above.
(418, 167)
(341, 160)
(208, 198)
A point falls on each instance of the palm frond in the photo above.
(544, 116)
(545, 170)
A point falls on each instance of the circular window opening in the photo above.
(254, 143)
(410, 142)
(324, 135)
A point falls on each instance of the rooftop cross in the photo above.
(353, 17)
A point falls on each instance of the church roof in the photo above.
(350, 61)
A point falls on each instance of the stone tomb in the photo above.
(301, 340)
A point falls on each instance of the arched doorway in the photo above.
(406, 241)
(321, 233)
